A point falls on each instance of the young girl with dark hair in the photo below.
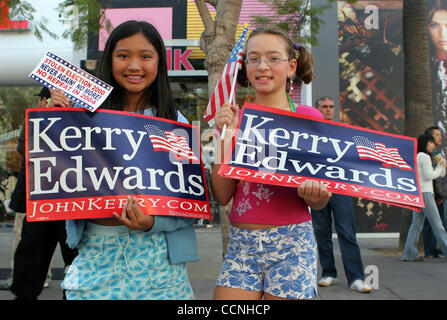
(158, 93)
(272, 252)
(132, 256)
(426, 145)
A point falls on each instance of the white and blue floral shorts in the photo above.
(117, 263)
(280, 261)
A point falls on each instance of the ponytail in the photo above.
(305, 64)
(305, 60)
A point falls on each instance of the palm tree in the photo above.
(418, 94)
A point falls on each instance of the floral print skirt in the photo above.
(280, 261)
(115, 263)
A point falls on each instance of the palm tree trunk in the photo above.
(418, 96)
(217, 41)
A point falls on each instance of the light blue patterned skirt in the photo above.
(115, 263)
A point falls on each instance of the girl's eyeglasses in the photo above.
(271, 61)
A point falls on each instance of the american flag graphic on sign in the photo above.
(377, 151)
(222, 91)
(165, 140)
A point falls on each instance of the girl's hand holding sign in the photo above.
(314, 193)
(58, 99)
(133, 218)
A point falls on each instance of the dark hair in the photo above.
(423, 140)
(305, 60)
(433, 6)
(44, 93)
(430, 130)
(158, 94)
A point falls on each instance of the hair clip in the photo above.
(296, 46)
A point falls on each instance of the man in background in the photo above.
(340, 210)
(38, 241)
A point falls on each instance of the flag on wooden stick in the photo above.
(226, 86)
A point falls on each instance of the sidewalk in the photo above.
(396, 280)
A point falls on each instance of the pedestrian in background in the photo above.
(431, 249)
(38, 240)
(341, 212)
(426, 145)
(19, 194)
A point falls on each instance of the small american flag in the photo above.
(377, 151)
(167, 141)
(223, 88)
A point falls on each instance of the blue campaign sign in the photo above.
(285, 148)
(84, 165)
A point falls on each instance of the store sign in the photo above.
(6, 23)
(179, 59)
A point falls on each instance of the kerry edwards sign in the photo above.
(84, 165)
(284, 148)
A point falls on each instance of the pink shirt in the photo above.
(268, 204)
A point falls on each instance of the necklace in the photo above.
(291, 104)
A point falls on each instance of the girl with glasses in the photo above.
(272, 250)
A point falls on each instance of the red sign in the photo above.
(84, 165)
(285, 148)
(6, 23)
